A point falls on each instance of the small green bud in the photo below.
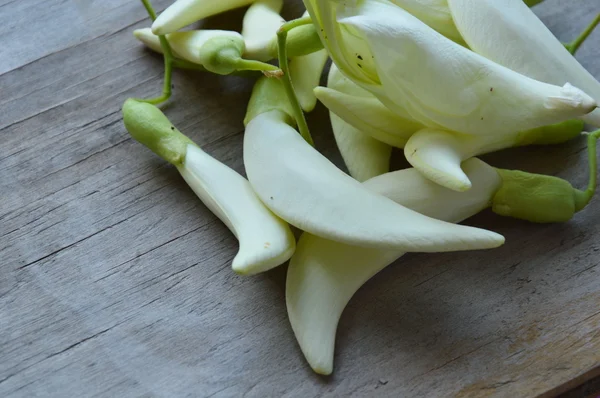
(221, 54)
(535, 197)
(149, 126)
(552, 134)
(268, 94)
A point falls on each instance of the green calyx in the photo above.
(302, 40)
(223, 56)
(531, 3)
(552, 134)
(149, 126)
(544, 199)
(268, 94)
(535, 197)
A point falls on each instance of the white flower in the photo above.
(265, 240)
(510, 34)
(305, 189)
(324, 275)
(412, 68)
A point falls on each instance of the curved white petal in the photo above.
(304, 188)
(443, 85)
(509, 33)
(305, 72)
(260, 26)
(323, 275)
(265, 240)
(438, 155)
(184, 12)
(188, 44)
(365, 157)
(434, 13)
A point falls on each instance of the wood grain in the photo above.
(115, 280)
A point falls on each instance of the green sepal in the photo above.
(149, 126)
(551, 134)
(531, 3)
(268, 94)
(535, 197)
(221, 55)
(302, 40)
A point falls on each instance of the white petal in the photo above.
(324, 275)
(265, 240)
(149, 39)
(438, 155)
(305, 72)
(369, 115)
(187, 44)
(509, 33)
(260, 26)
(434, 13)
(184, 12)
(443, 85)
(365, 157)
(304, 188)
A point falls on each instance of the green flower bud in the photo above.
(537, 198)
(222, 55)
(148, 125)
(551, 134)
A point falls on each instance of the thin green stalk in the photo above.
(575, 44)
(250, 64)
(592, 160)
(286, 78)
(168, 58)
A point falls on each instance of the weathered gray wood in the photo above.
(115, 279)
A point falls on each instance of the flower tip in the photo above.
(572, 97)
(158, 27)
(322, 370)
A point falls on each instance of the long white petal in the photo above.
(443, 85)
(365, 157)
(323, 275)
(260, 26)
(304, 188)
(509, 33)
(265, 240)
(305, 72)
(184, 12)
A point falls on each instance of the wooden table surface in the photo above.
(115, 280)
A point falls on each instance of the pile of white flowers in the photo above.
(446, 80)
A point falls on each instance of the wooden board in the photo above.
(115, 280)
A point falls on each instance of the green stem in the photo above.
(168, 57)
(586, 196)
(575, 44)
(250, 64)
(286, 78)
